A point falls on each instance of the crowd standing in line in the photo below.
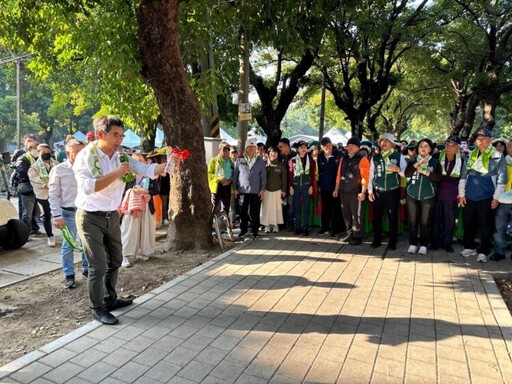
(361, 184)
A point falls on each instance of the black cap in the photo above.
(300, 143)
(355, 141)
(454, 139)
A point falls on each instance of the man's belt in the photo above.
(108, 215)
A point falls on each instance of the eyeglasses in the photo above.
(225, 149)
(116, 135)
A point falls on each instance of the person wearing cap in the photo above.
(220, 179)
(482, 181)
(62, 189)
(503, 212)
(423, 174)
(250, 179)
(445, 207)
(411, 150)
(351, 184)
(501, 145)
(286, 153)
(328, 160)
(301, 177)
(386, 168)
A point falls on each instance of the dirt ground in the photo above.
(42, 310)
(505, 286)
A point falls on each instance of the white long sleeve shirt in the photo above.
(62, 188)
(109, 198)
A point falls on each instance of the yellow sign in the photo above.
(245, 111)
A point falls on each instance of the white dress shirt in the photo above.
(62, 188)
(109, 198)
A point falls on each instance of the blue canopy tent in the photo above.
(131, 140)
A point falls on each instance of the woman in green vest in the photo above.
(424, 173)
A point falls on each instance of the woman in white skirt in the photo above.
(275, 191)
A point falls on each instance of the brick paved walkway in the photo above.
(285, 309)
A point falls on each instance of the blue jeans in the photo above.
(301, 205)
(503, 216)
(66, 252)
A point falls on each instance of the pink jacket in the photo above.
(134, 203)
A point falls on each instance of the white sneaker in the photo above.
(125, 263)
(51, 241)
(276, 228)
(142, 258)
(423, 250)
(165, 222)
(267, 229)
(482, 258)
(469, 252)
(412, 249)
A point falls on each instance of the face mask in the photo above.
(46, 156)
(34, 153)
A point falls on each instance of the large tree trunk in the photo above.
(190, 205)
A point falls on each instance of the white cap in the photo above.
(388, 136)
(251, 142)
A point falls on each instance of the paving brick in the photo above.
(196, 371)
(150, 356)
(30, 372)
(63, 373)
(88, 357)
(389, 367)
(323, 371)
(181, 356)
(250, 379)
(163, 371)
(262, 368)
(97, 372)
(130, 372)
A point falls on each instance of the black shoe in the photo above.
(255, 235)
(355, 241)
(85, 274)
(37, 234)
(242, 234)
(104, 317)
(434, 247)
(69, 282)
(333, 234)
(497, 257)
(449, 249)
(322, 231)
(305, 232)
(291, 228)
(391, 247)
(347, 238)
(298, 231)
(376, 244)
(118, 304)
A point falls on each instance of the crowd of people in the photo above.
(431, 189)
(114, 202)
(105, 197)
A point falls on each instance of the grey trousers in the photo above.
(351, 211)
(101, 239)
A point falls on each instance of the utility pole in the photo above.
(243, 96)
(17, 59)
(322, 110)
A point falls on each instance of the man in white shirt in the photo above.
(62, 189)
(99, 172)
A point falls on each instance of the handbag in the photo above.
(25, 188)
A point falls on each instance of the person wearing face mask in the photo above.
(424, 173)
(38, 174)
(25, 188)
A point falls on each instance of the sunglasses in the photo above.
(225, 149)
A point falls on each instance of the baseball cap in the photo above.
(300, 143)
(251, 142)
(454, 139)
(388, 136)
(483, 132)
